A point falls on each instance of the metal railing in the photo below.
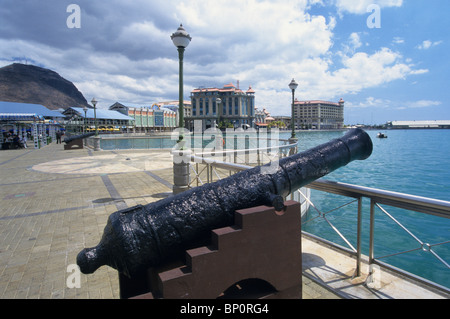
(213, 168)
(377, 198)
(228, 162)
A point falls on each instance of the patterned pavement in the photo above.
(55, 202)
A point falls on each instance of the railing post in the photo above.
(181, 177)
(372, 227)
(197, 177)
(358, 239)
(293, 150)
(96, 140)
(208, 169)
(247, 147)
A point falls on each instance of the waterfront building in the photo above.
(320, 115)
(222, 107)
(78, 119)
(28, 120)
(149, 118)
(440, 124)
(261, 118)
(174, 106)
(284, 119)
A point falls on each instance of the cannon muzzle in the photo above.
(78, 137)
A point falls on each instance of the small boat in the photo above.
(381, 135)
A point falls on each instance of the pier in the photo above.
(55, 203)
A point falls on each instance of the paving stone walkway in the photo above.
(54, 203)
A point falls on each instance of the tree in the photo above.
(277, 124)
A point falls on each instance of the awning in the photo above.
(19, 116)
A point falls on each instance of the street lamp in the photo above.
(293, 85)
(94, 103)
(181, 40)
(219, 110)
(84, 124)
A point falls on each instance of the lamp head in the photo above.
(293, 85)
(181, 38)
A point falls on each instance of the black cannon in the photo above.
(78, 137)
(76, 141)
(147, 236)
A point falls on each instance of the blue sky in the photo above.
(122, 51)
(417, 31)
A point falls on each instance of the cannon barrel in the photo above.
(146, 236)
(78, 137)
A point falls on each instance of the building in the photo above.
(149, 119)
(284, 119)
(78, 119)
(25, 119)
(221, 107)
(441, 124)
(174, 105)
(320, 115)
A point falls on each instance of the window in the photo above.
(244, 106)
(201, 107)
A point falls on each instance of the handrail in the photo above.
(220, 164)
(400, 200)
(249, 150)
(419, 204)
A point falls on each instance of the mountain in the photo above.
(32, 84)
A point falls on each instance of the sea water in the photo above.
(415, 162)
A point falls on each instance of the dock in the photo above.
(55, 202)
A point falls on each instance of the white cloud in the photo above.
(360, 6)
(360, 70)
(355, 40)
(259, 42)
(372, 102)
(398, 40)
(425, 45)
(423, 104)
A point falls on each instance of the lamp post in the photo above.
(293, 85)
(84, 122)
(219, 110)
(181, 40)
(94, 103)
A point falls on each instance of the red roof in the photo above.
(227, 88)
(318, 102)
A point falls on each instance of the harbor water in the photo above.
(415, 162)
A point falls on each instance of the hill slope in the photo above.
(31, 84)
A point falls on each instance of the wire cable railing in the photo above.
(214, 169)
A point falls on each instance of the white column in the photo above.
(35, 135)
